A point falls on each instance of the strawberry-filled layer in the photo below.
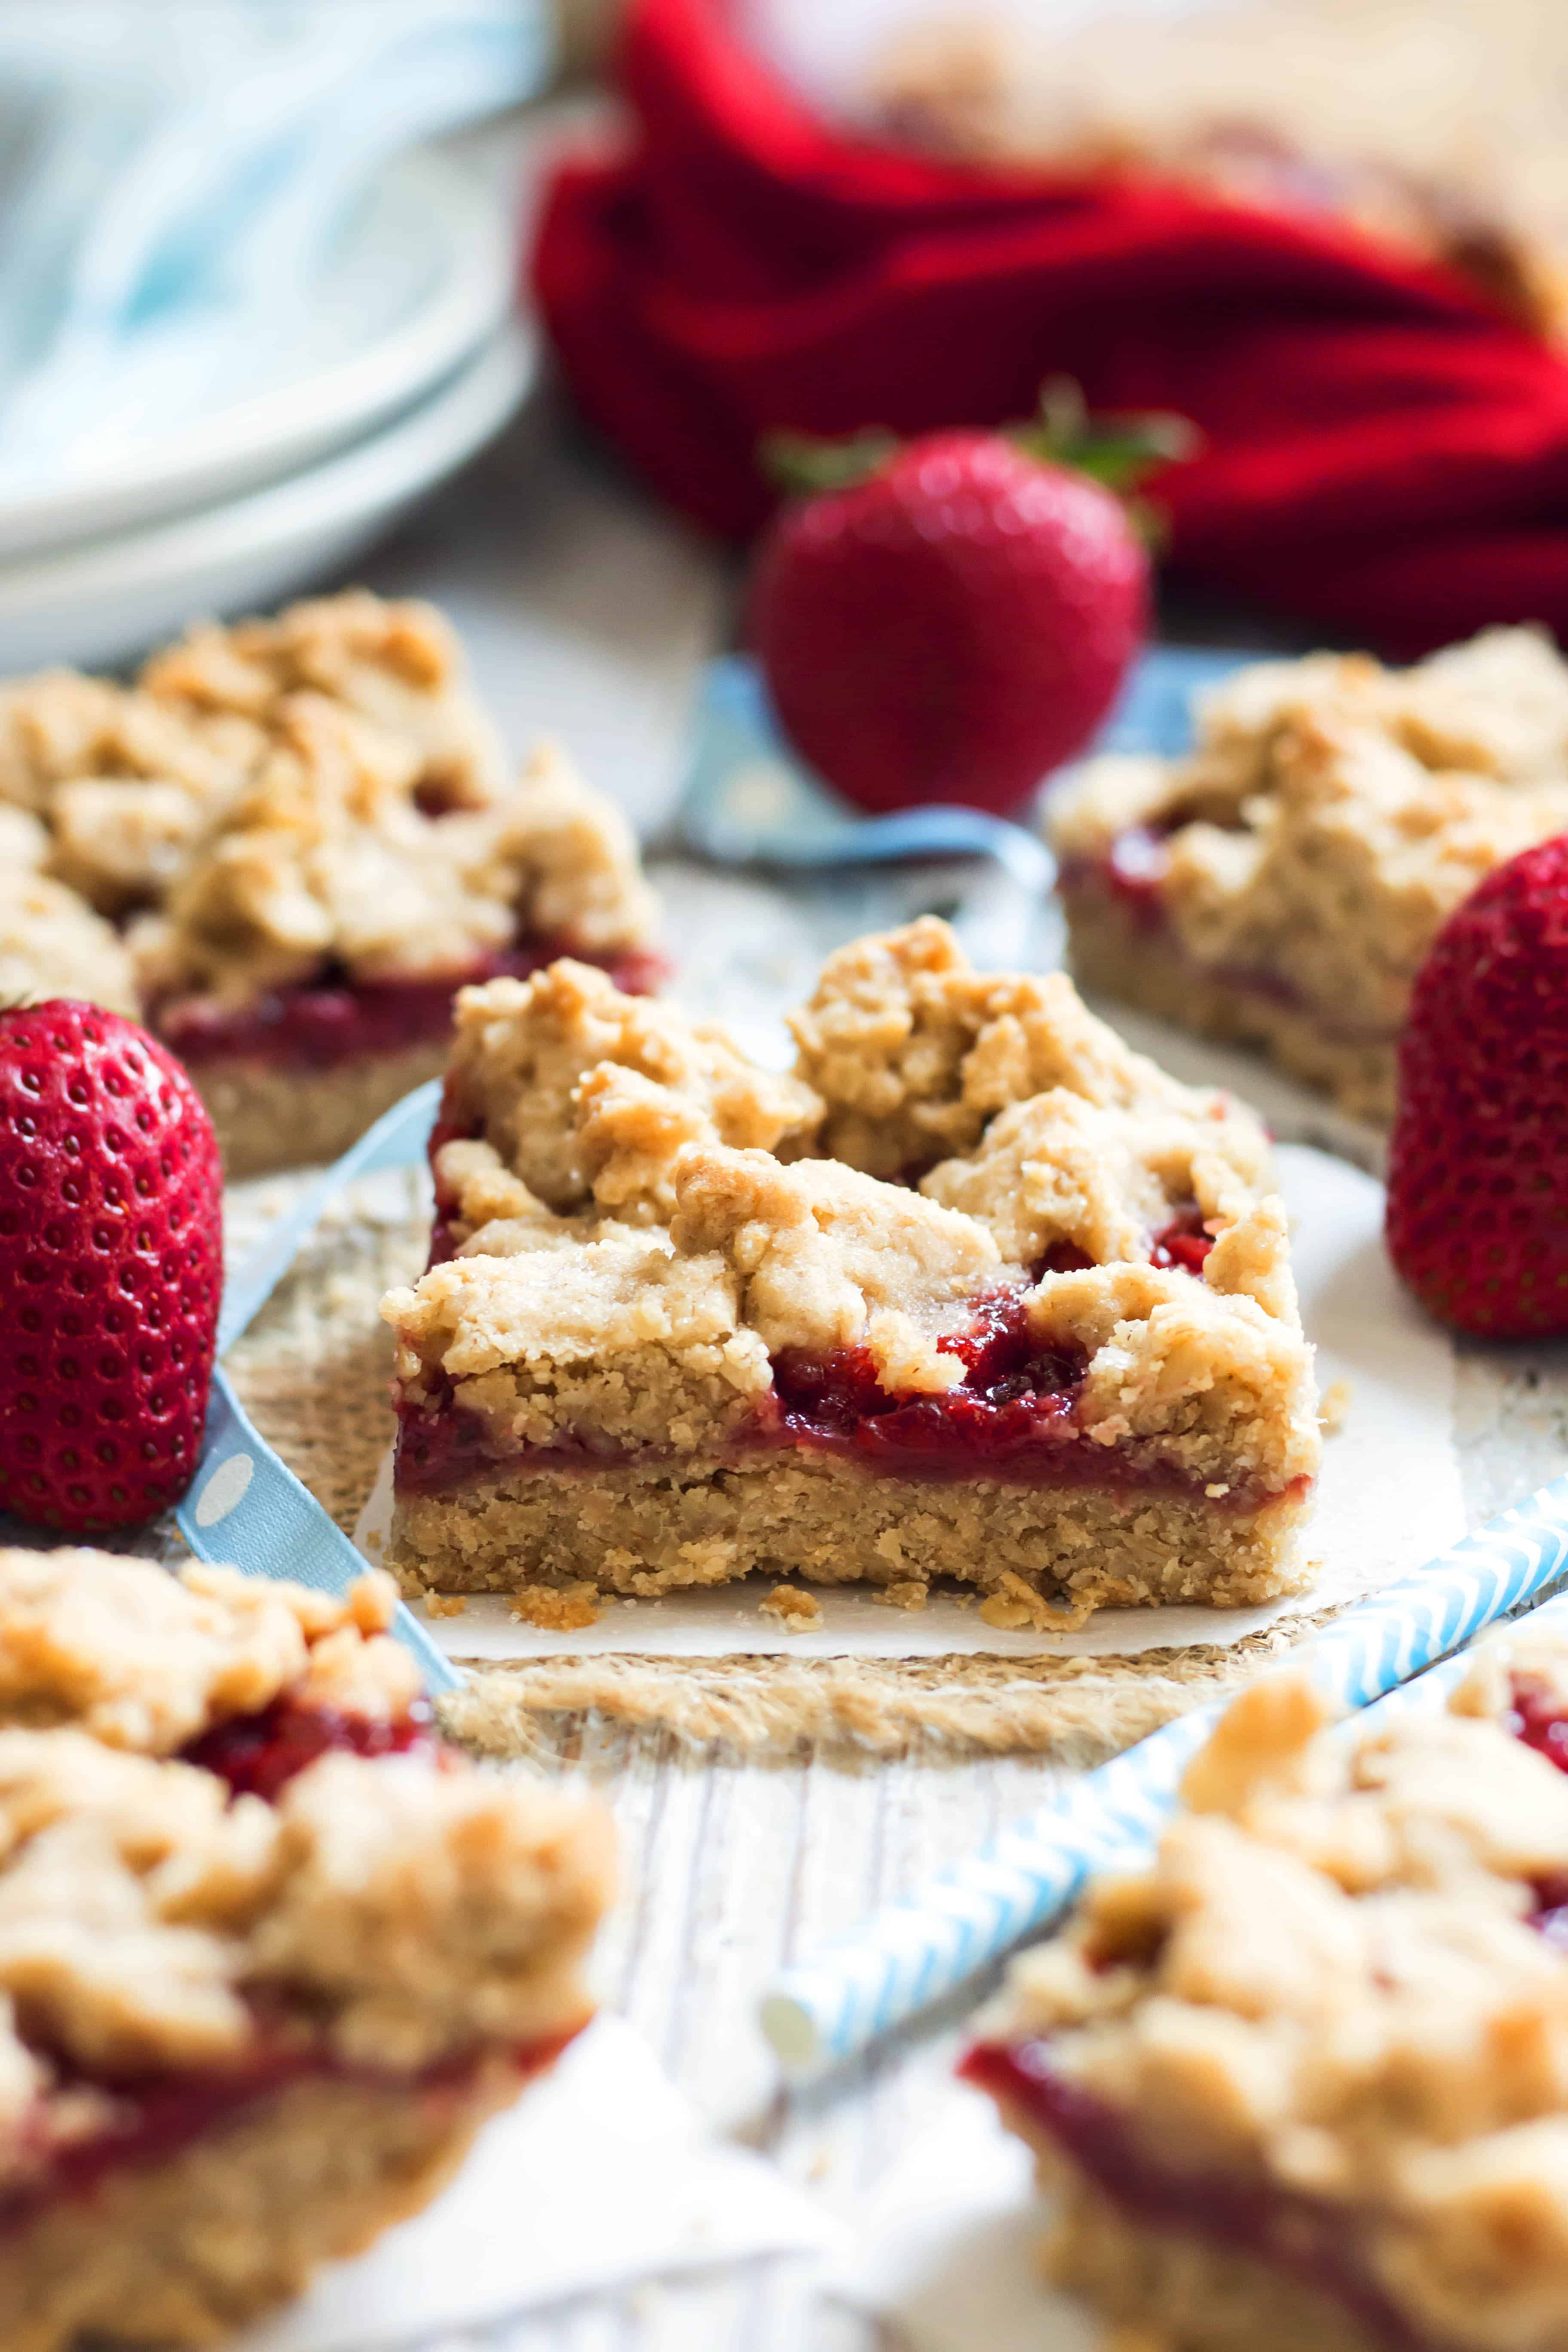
(1311, 2242)
(338, 1019)
(148, 2119)
(1012, 1418)
(1304, 2241)
(260, 1754)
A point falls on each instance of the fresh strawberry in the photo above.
(951, 618)
(1477, 1177)
(111, 1269)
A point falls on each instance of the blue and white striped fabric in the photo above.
(865, 1982)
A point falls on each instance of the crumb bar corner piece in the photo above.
(283, 846)
(271, 1952)
(1301, 2082)
(973, 1292)
(1283, 883)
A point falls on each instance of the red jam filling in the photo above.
(1012, 1413)
(337, 1019)
(1295, 2235)
(260, 1754)
(1012, 1417)
(153, 2118)
(1537, 1717)
(1184, 1243)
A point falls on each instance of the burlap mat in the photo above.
(313, 1373)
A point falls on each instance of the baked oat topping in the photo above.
(1332, 1985)
(152, 1920)
(317, 792)
(586, 1095)
(52, 944)
(914, 1052)
(1330, 816)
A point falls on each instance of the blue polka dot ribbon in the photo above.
(245, 1506)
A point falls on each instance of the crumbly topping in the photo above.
(398, 666)
(1058, 1169)
(824, 1258)
(1210, 1375)
(318, 789)
(618, 1343)
(329, 855)
(646, 1220)
(1326, 1981)
(796, 1611)
(1333, 814)
(52, 944)
(399, 1913)
(914, 1052)
(586, 1095)
(147, 1661)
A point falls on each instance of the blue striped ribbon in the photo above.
(874, 1977)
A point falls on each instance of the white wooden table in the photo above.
(587, 612)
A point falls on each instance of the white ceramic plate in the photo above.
(422, 276)
(102, 604)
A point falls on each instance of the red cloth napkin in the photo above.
(1385, 457)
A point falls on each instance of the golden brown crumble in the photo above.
(556, 1609)
(1330, 816)
(646, 1220)
(823, 1257)
(52, 944)
(1327, 1983)
(318, 788)
(145, 1660)
(796, 1612)
(914, 1052)
(404, 1913)
(523, 1054)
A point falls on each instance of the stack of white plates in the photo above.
(406, 363)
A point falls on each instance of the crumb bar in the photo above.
(271, 1952)
(285, 846)
(1303, 2081)
(974, 1292)
(1283, 883)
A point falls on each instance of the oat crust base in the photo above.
(653, 1529)
(182, 2252)
(1171, 2292)
(268, 1117)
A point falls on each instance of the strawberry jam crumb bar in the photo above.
(271, 1952)
(1303, 2081)
(1283, 882)
(974, 1292)
(284, 847)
